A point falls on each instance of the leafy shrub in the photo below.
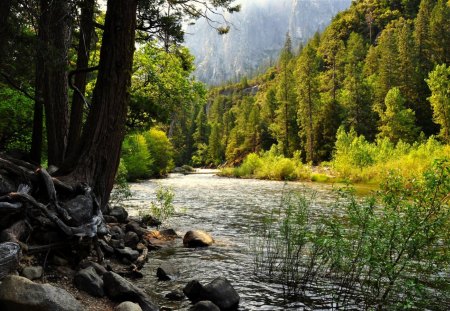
(161, 209)
(161, 152)
(136, 157)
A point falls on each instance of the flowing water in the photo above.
(231, 210)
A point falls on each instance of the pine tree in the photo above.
(308, 97)
(439, 83)
(440, 32)
(397, 122)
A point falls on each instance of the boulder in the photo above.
(98, 267)
(175, 295)
(33, 273)
(151, 221)
(119, 213)
(20, 294)
(128, 253)
(222, 294)
(6, 185)
(116, 232)
(80, 209)
(197, 238)
(89, 281)
(117, 288)
(106, 247)
(168, 234)
(167, 272)
(128, 306)
(110, 219)
(117, 243)
(136, 228)
(204, 305)
(219, 291)
(131, 239)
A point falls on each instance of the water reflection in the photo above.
(231, 210)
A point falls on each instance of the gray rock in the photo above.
(33, 273)
(151, 221)
(120, 213)
(197, 238)
(110, 219)
(169, 233)
(128, 306)
(106, 247)
(117, 288)
(89, 281)
(204, 305)
(59, 261)
(80, 209)
(20, 294)
(117, 243)
(128, 253)
(6, 185)
(219, 291)
(136, 228)
(194, 291)
(98, 267)
(116, 232)
(167, 272)
(175, 295)
(131, 239)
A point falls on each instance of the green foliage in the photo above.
(16, 114)
(397, 122)
(358, 160)
(439, 84)
(121, 191)
(389, 251)
(163, 208)
(270, 165)
(161, 152)
(136, 157)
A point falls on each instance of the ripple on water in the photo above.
(230, 210)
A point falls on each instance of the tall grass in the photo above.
(390, 251)
(270, 165)
(358, 160)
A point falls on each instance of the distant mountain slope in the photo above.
(257, 35)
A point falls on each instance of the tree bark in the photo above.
(105, 127)
(55, 28)
(5, 10)
(76, 114)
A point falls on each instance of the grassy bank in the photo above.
(354, 160)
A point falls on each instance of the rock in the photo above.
(110, 219)
(6, 185)
(131, 239)
(151, 221)
(128, 253)
(80, 209)
(106, 247)
(197, 238)
(33, 273)
(117, 288)
(204, 305)
(20, 294)
(89, 281)
(98, 267)
(65, 271)
(58, 261)
(117, 243)
(167, 272)
(219, 291)
(136, 228)
(116, 232)
(175, 296)
(120, 213)
(128, 306)
(194, 291)
(168, 234)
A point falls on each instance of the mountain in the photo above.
(256, 36)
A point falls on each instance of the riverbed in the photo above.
(231, 210)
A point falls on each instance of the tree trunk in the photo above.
(105, 127)
(55, 29)
(76, 114)
(5, 10)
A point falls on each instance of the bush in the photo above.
(161, 152)
(136, 157)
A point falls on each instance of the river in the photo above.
(231, 210)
